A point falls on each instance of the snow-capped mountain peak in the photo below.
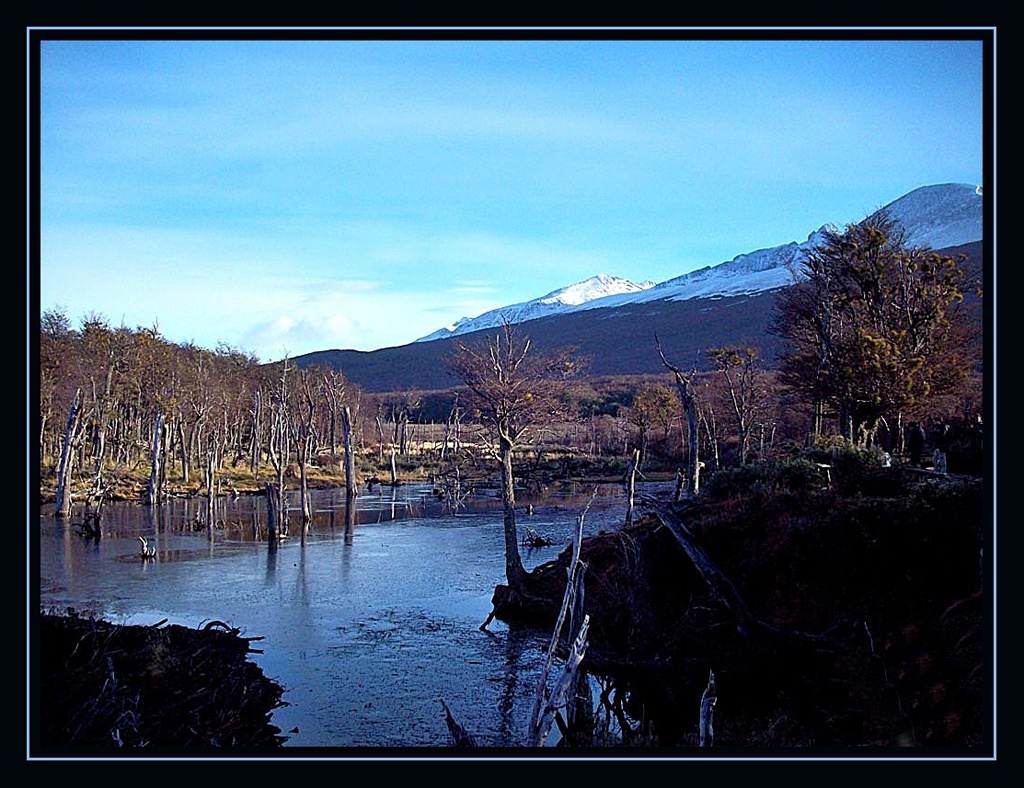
(938, 216)
(590, 289)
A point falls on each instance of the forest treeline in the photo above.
(876, 334)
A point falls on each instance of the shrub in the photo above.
(850, 471)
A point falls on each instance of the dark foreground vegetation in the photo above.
(843, 613)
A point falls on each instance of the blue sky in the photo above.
(283, 197)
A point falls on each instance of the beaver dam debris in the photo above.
(106, 685)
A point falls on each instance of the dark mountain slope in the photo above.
(617, 340)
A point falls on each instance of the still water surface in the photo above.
(366, 631)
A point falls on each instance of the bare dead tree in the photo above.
(277, 509)
(379, 423)
(72, 436)
(210, 510)
(92, 517)
(746, 388)
(155, 492)
(452, 429)
(684, 384)
(256, 412)
(333, 387)
(514, 389)
(351, 482)
(301, 426)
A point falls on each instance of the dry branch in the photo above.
(707, 711)
(460, 736)
(533, 539)
(546, 704)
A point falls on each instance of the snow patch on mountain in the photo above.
(754, 272)
(565, 299)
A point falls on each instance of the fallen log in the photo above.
(720, 586)
(724, 591)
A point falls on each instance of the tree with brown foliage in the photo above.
(654, 405)
(874, 328)
(746, 389)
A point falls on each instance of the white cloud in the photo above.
(353, 285)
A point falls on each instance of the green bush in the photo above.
(849, 471)
(764, 478)
(799, 475)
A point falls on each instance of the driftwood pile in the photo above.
(102, 685)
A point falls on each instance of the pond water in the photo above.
(367, 628)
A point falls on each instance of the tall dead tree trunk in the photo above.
(402, 428)
(254, 444)
(452, 429)
(277, 512)
(304, 507)
(351, 482)
(154, 493)
(273, 494)
(515, 573)
(62, 510)
(709, 421)
(183, 451)
(165, 458)
(631, 471)
(210, 510)
(302, 427)
(380, 437)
